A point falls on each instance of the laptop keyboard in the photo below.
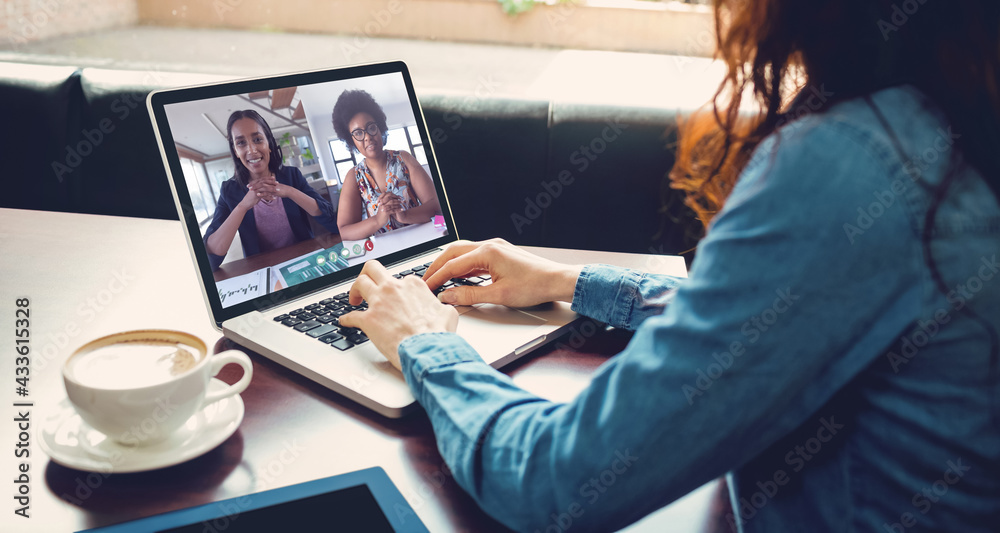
(320, 320)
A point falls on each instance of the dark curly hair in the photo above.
(351, 103)
(274, 161)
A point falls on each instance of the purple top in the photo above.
(273, 229)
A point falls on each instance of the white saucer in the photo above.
(69, 441)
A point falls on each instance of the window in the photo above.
(219, 170)
(202, 195)
(305, 150)
(342, 157)
(406, 139)
(416, 144)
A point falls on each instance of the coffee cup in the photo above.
(139, 387)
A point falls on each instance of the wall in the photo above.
(659, 27)
(24, 21)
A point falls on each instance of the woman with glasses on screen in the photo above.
(267, 202)
(388, 189)
(834, 351)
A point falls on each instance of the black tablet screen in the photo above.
(347, 510)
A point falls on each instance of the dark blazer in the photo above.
(298, 219)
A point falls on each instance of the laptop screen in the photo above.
(290, 183)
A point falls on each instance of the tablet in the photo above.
(365, 500)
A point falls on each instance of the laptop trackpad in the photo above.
(495, 331)
(500, 315)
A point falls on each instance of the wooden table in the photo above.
(88, 276)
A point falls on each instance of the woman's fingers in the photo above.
(476, 260)
(250, 199)
(520, 279)
(470, 295)
(454, 250)
(361, 289)
(397, 309)
(391, 207)
(354, 319)
(372, 275)
(261, 191)
(389, 200)
(267, 190)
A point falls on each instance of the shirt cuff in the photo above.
(606, 293)
(422, 353)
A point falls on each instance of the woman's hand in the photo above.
(397, 309)
(388, 205)
(250, 199)
(269, 188)
(520, 279)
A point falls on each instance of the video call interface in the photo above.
(283, 198)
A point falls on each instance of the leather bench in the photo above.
(534, 172)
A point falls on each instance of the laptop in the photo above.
(284, 303)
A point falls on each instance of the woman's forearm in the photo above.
(306, 202)
(360, 230)
(420, 214)
(219, 242)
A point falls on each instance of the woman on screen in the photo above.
(268, 203)
(388, 189)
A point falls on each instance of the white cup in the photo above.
(138, 387)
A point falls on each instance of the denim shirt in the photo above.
(810, 356)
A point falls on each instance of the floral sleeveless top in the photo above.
(397, 181)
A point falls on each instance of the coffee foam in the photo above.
(130, 365)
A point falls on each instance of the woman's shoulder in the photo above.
(231, 185)
(878, 124)
(358, 168)
(288, 173)
(900, 118)
(404, 159)
(403, 156)
(841, 150)
(834, 164)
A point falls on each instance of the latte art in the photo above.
(133, 364)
